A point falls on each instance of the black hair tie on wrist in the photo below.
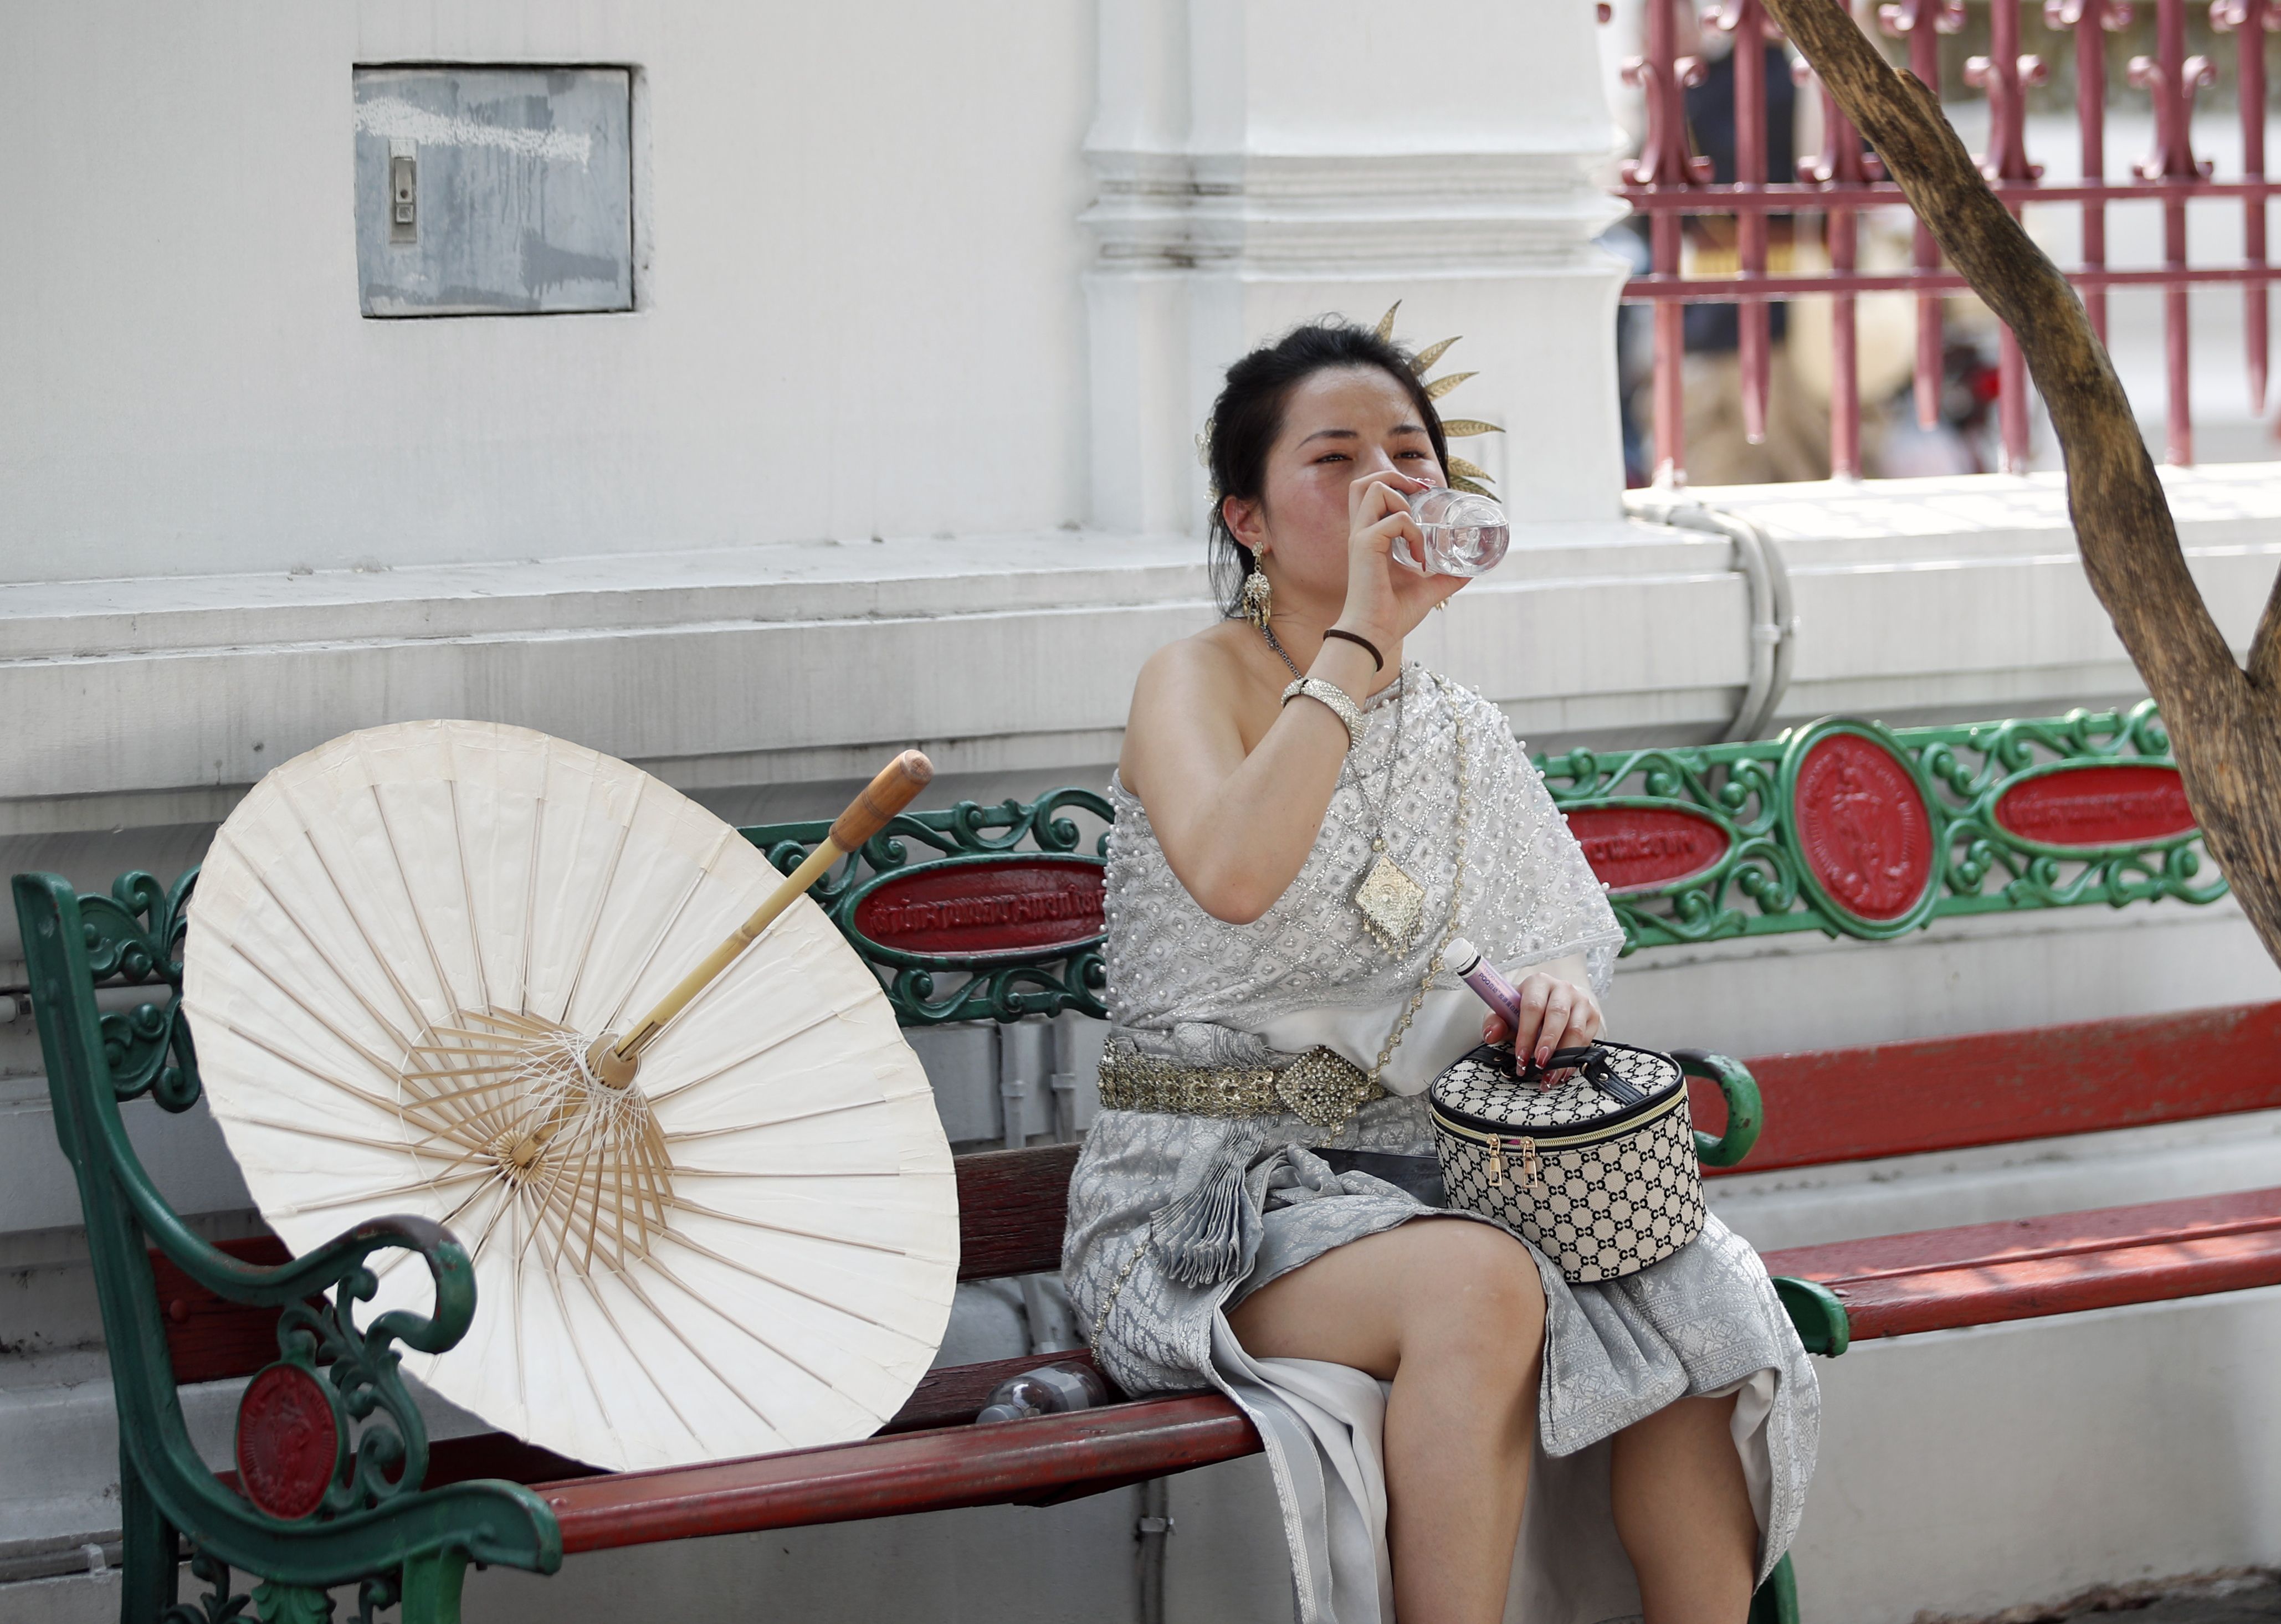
(1361, 641)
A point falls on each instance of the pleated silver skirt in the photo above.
(1257, 1204)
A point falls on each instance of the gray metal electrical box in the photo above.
(494, 190)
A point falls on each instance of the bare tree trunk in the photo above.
(2224, 722)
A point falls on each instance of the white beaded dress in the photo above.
(1187, 987)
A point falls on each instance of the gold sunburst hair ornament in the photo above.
(1463, 473)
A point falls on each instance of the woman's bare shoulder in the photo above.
(1207, 667)
(1189, 693)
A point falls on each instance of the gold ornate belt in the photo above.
(1322, 1087)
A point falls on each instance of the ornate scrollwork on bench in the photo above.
(1852, 829)
(134, 938)
(1008, 904)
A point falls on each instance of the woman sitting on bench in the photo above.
(1243, 1213)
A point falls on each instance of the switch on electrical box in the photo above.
(402, 193)
(494, 190)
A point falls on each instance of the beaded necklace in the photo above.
(1391, 901)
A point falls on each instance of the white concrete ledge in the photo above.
(157, 700)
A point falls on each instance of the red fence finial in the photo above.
(1846, 159)
(1662, 77)
(2114, 15)
(2004, 73)
(2170, 77)
(1900, 18)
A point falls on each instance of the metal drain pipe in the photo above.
(1150, 1533)
(1773, 622)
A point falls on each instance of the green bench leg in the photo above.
(147, 1558)
(1776, 1601)
(431, 1587)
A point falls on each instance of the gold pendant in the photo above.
(1392, 905)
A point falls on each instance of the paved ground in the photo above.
(2251, 1597)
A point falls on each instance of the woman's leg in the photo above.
(1452, 1312)
(1684, 1512)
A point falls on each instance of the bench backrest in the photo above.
(995, 912)
(2004, 1087)
(1846, 827)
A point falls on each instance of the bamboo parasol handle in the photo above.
(614, 1061)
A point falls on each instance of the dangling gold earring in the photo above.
(1259, 599)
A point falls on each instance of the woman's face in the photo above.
(1339, 425)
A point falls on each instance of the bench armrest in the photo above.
(358, 1510)
(1814, 1308)
(1745, 1116)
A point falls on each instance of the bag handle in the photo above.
(1592, 1060)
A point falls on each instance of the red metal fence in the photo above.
(1669, 180)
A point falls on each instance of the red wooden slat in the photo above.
(210, 1337)
(1982, 1274)
(950, 1396)
(890, 1477)
(1011, 1205)
(1946, 1094)
(497, 1455)
(1010, 1209)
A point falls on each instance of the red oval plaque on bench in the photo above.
(1634, 849)
(1862, 826)
(976, 910)
(289, 1442)
(2090, 807)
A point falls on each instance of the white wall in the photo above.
(1263, 161)
(861, 307)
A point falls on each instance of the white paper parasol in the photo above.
(404, 949)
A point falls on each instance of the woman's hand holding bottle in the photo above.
(1385, 602)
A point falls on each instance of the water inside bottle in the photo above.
(1465, 533)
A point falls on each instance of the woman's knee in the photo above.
(1474, 1287)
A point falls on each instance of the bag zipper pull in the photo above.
(1529, 1168)
(1496, 1161)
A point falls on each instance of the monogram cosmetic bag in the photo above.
(1597, 1171)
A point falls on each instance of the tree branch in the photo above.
(2265, 647)
(2224, 724)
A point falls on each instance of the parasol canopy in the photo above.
(408, 955)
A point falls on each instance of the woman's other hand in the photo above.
(1385, 600)
(1555, 1013)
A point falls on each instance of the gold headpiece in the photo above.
(1464, 475)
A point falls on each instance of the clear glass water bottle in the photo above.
(1053, 1390)
(1465, 535)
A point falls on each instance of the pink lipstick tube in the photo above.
(1480, 974)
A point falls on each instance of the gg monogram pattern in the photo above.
(1605, 1210)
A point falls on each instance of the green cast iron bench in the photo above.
(978, 912)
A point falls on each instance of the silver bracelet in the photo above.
(1332, 695)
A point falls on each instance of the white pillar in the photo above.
(1260, 162)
